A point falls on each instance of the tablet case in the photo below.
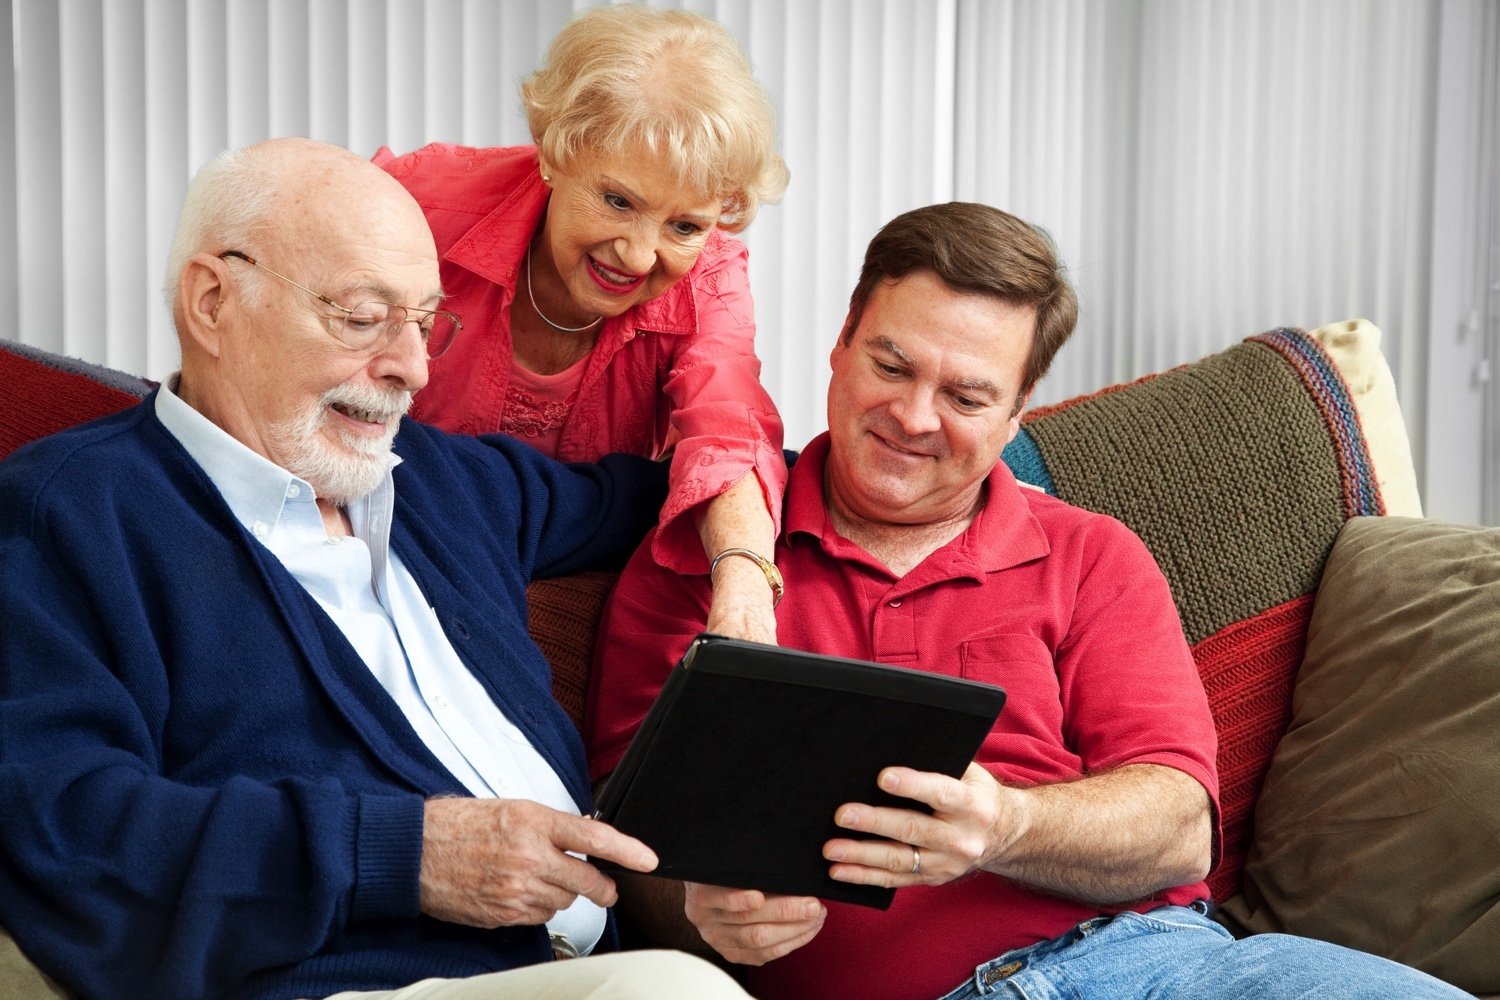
(736, 771)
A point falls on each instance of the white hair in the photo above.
(226, 208)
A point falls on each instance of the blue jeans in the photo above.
(1177, 951)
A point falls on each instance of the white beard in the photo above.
(341, 475)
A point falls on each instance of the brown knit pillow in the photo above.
(1237, 471)
(562, 614)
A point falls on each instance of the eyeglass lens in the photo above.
(369, 322)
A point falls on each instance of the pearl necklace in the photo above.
(530, 294)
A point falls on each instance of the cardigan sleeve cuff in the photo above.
(388, 857)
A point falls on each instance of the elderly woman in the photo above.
(605, 306)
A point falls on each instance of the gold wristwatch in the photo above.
(773, 575)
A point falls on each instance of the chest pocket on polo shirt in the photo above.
(1022, 665)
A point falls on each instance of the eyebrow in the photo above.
(385, 293)
(970, 385)
(629, 192)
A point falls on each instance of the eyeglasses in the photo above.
(373, 326)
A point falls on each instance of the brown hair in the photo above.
(983, 251)
(626, 76)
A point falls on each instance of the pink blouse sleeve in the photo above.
(724, 422)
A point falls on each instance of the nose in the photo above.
(403, 361)
(915, 411)
(636, 250)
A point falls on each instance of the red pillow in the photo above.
(45, 393)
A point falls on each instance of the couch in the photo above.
(1350, 648)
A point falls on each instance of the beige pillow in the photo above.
(19, 979)
(1354, 346)
(1379, 823)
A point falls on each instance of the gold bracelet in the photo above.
(773, 575)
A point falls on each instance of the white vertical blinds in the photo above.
(1207, 170)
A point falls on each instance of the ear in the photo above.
(1014, 427)
(203, 302)
(845, 332)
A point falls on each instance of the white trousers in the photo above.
(623, 975)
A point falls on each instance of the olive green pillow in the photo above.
(1379, 823)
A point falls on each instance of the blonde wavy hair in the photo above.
(622, 78)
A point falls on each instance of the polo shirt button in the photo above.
(896, 603)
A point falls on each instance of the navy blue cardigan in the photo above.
(203, 790)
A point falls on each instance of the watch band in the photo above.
(773, 575)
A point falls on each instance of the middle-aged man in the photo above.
(1068, 861)
(271, 725)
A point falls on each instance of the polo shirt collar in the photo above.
(1004, 533)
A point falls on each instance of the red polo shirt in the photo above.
(1063, 608)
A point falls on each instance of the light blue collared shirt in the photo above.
(363, 586)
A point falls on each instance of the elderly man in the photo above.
(270, 721)
(1068, 860)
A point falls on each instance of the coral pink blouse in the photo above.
(677, 372)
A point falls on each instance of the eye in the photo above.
(887, 369)
(367, 317)
(617, 202)
(686, 229)
(965, 403)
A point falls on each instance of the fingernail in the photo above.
(834, 853)
(889, 782)
(850, 817)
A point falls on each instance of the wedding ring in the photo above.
(916, 861)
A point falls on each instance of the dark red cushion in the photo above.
(45, 393)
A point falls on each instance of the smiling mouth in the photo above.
(899, 449)
(381, 417)
(612, 281)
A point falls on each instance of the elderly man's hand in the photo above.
(750, 927)
(505, 862)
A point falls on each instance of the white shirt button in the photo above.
(294, 490)
(260, 529)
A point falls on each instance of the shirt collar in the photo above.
(254, 487)
(1004, 533)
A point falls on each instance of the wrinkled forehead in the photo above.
(345, 224)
